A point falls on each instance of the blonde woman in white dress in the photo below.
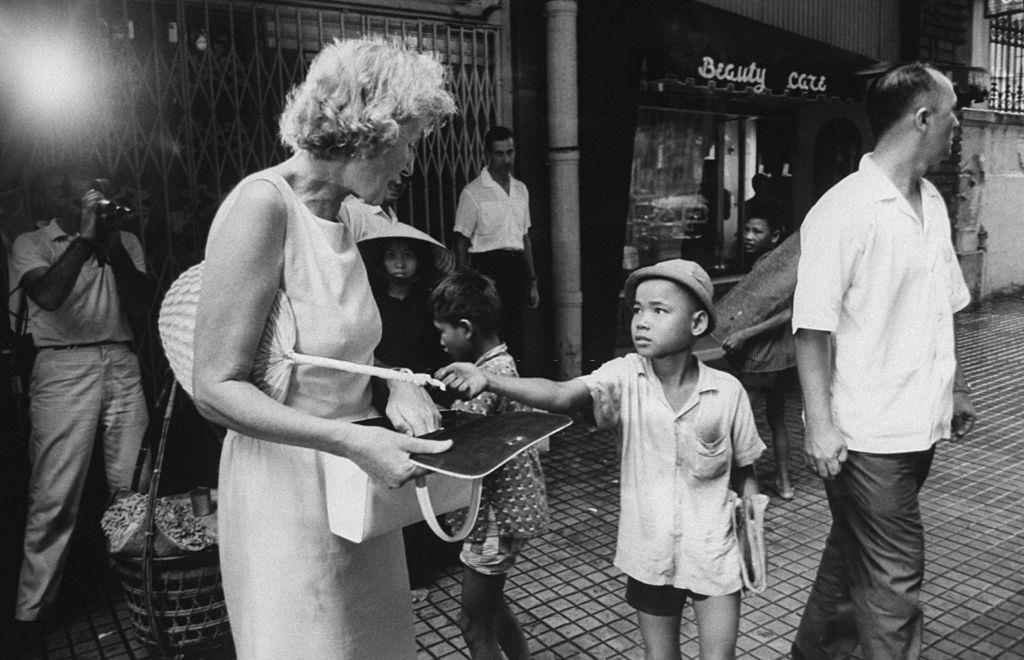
(293, 589)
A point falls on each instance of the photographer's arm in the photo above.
(134, 287)
(50, 287)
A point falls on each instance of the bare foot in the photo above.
(784, 490)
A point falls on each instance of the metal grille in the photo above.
(1006, 60)
(195, 89)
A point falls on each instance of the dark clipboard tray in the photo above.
(483, 443)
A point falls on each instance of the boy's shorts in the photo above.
(495, 555)
(658, 600)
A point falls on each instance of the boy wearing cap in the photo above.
(688, 435)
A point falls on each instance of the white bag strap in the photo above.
(423, 495)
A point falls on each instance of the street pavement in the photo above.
(570, 599)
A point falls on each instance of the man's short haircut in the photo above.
(760, 182)
(467, 294)
(496, 134)
(894, 93)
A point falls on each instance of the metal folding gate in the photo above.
(1006, 63)
(195, 88)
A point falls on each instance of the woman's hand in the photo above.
(465, 379)
(410, 409)
(384, 454)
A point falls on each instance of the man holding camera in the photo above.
(84, 278)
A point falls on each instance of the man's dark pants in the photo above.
(873, 561)
(508, 270)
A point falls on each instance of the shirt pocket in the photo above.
(711, 459)
(493, 215)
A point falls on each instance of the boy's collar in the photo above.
(705, 383)
(491, 354)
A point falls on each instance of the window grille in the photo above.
(1006, 63)
(195, 88)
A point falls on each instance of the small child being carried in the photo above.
(513, 507)
(689, 443)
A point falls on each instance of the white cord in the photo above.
(403, 375)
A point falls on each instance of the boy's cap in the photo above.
(687, 274)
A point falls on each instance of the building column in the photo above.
(563, 171)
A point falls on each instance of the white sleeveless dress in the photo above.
(294, 590)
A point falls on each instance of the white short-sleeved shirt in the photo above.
(675, 524)
(886, 285)
(490, 218)
(92, 311)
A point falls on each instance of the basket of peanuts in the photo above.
(165, 552)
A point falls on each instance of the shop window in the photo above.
(695, 176)
(693, 179)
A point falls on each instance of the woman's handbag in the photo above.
(359, 508)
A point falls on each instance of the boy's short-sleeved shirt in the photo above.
(514, 496)
(675, 525)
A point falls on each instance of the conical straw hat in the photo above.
(275, 357)
(375, 238)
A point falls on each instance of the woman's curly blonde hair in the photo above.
(356, 95)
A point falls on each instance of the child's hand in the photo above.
(463, 378)
(734, 342)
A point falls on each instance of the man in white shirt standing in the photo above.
(878, 284)
(491, 233)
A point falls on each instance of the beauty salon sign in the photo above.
(755, 76)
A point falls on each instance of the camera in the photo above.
(108, 211)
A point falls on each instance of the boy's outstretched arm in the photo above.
(467, 381)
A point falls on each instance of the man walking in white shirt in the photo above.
(878, 284)
(491, 233)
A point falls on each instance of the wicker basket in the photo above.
(188, 602)
(176, 603)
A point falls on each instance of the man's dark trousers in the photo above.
(873, 561)
(508, 270)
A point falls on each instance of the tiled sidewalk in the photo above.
(570, 598)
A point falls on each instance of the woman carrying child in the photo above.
(689, 443)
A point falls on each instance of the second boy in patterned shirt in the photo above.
(513, 508)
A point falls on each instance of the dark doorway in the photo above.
(837, 151)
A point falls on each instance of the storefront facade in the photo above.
(704, 101)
